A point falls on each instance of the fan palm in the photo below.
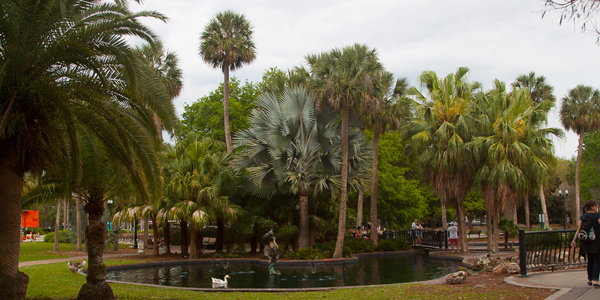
(514, 148)
(344, 79)
(60, 63)
(226, 43)
(580, 112)
(438, 134)
(539, 91)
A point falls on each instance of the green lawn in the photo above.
(43, 251)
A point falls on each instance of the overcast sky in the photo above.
(494, 39)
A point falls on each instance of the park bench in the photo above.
(208, 243)
(474, 231)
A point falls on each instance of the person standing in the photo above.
(413, 228)
(453, 236)
(590, 248)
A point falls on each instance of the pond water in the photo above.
(367, 271)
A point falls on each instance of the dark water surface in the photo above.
(368, 271)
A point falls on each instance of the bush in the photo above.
(310, 253)
(394, 244)
(359, 245)
(63, 237)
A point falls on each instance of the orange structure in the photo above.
(30, 218)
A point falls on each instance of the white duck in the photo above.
(220, 283)
(72, 268)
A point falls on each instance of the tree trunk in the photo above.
(339, 245)
(226, 109)
(544, 209)
(167, 236)
(96, 286)
(359, 208)
(303, 239)
(496, 222)
(462, 228)
(443, 202)
(146, 225)
(154, 236)
(66, 214)
(577, 186)
(220, 234)
(193, 241)
(489, 219)
(184, 239)
(57, 225)
(527, 216)
(374, 222)
(78, 222)
(13, 284)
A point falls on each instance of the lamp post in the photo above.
(564, 197)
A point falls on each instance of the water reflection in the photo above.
(368, 271)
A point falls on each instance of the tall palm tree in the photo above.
(60, 63)
(438, 134)
(391, 107)
(539, 91)
(291, 148)
(226, 43)
(514, 146)
(344, 79)
(580, 112)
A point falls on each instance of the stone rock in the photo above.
(506, 267)
(456, 278)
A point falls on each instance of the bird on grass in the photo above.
(76, 267)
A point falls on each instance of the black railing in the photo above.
(547, 249)
(434, 238)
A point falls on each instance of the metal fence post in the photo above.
(522, 253)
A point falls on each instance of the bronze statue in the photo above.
(271, 251)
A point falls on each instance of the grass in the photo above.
(44, 251)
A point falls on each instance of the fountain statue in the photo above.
(271, 251)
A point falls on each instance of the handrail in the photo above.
(543, 249)
(435, 238)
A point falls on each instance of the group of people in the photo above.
(417, 232)
(590, 247)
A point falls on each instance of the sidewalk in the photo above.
(572, 284)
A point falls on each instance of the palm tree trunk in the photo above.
(96, 286)
(226, 109)
(303, 239)
(154, 236)
(527, 216)
(339, 245)
(496, 230)
(57, 225)
(193, 241)
(184, 238)
(359, 208)
(220, 234)
(167, 236)
(443, 202)
(66, 212)
(462, 228)
(577, 168)
(13, 284)
(146, 225)
(544, 209)
(374, 234)
(78, 222)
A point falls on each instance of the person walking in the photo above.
(589, 247)
(453, 236)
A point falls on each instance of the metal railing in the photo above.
(547, 249)
(434, 238)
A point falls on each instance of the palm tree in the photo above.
(438, 134)
(226, 43)
(539, 91)
(291, 148)
(391, 107)
(580, 112)
(46, 90)
(344, 79)
(514, 148)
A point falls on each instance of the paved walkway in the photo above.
(572, 284)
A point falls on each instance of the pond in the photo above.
(368, 270)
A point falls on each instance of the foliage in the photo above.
(584, 12)
(205, 116)
(590, 167)
(310, 253)
(359, 245)
(508, 226)
(395, 244)
(64, 236)
(474, 204)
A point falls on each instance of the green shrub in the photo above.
(394, 244)
(63, 237)
(359, 245)
(310, 253)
